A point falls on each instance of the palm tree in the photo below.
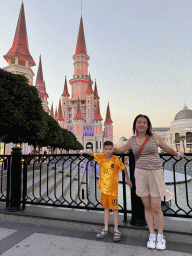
(182, 138)
(190, 142)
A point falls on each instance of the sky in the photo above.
(140, 52)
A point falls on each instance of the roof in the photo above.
(51, 113)
(89, 87)
(65, 90)
(81, 45)
(78, 114)
(108, 120)
(96, 96)
(59, 114)
(97, 112)
(160, 129)
(185, 113)
(40, 84)
(20, 43)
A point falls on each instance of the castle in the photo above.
(79, 113)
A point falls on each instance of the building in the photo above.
(79, 113)
(181, 126)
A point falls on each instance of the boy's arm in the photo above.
(87, 153)
(126, 173)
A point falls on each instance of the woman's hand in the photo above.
(182, 154)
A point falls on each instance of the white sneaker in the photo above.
(161, 243)
(152, 241)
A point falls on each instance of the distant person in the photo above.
(149, 176)
(109, 166)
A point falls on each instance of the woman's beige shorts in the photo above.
(150, 183)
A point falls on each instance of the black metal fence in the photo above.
(71, 181)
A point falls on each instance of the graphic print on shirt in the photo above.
(106, 171)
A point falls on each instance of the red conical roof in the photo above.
(97, 112)
(20, 42)
(78, 114)
(65, 91)
(81, 45)
(59, 114)
(96, 96)
(40, 84)
(108, 120)
(56, 113)
(89, 87)
(51, 113)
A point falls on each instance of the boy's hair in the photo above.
(108, 143)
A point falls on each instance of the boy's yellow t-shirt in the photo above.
(109, 173)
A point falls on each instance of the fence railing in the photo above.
(71, 181)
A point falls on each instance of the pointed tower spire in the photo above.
(89, 87)
(78, 114)
(52, 114)
(65, 91)
(40, 84)
(108, 120)
(96, 96)
(20, 46)
(81, 45)
(56, 113)
(59, 114)
(97, 112)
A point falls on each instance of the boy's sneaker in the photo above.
(152, 241)
(161, 243)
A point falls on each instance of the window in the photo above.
(177, 137)
(96, 130)
(96, 144)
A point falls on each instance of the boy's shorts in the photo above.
(109, 201)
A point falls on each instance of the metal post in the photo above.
(15, 195)
(138, 213)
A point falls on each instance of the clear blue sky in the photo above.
(140, 52)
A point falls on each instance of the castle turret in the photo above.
(59, 117)
(18, 57)
(65, 103)
(89, 102)
(40, 85)
(52, 113)
(98, 131)
(79, 82)
(78, 123)
(108, 127)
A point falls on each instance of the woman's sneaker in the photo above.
(161, 243)
(152, 241)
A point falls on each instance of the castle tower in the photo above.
(89, 103)
(52, 113)
(79, 82)
(18, 57)
(98, 131)
(108, 127)
(78, 123)
(59, 116)
(40, 85)
(65, 103)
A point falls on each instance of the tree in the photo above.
(21, 112)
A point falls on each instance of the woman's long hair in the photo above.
(149, 132)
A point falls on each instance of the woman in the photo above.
(149, 176)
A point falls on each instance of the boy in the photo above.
(109, 166)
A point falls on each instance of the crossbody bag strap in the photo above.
(141, 148)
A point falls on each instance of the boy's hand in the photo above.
(129, 183)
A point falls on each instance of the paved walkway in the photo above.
(51, 231)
